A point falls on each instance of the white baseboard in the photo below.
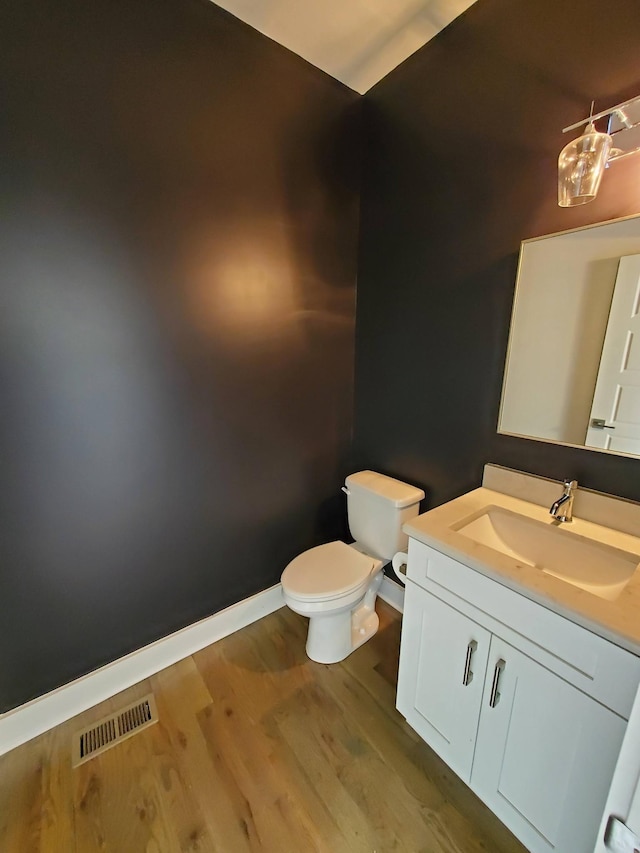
(27, 721)
(392, 593)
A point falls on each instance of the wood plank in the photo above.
(57, 824)
(195, 792)
(21, 798)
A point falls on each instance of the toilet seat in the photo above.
(327, 572)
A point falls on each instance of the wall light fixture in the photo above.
(582, 162)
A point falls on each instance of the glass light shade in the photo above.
(581, 165)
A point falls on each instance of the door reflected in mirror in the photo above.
(573, 366)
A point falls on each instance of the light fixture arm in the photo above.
(618, 109)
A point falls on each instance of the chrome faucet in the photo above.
(565, 502)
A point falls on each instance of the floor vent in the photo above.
(113, 729)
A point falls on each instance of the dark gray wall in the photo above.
(462, 146)
(177, 277)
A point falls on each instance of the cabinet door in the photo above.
(545, 754)
(443, 658)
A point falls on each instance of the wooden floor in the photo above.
(257, 749)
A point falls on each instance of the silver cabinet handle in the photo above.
(495, 695)
(467, 678)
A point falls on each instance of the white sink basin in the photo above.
(594, 566)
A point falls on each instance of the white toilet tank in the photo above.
(377, 507)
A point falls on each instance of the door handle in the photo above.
(467, 678)
(598, 423)
(497, 672)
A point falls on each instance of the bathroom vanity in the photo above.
(519, 659)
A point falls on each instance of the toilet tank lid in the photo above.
(395, 491)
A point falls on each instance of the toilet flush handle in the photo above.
(346, 490)
(399, 559)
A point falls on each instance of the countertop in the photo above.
(617, 620)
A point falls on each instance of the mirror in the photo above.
(573, 365)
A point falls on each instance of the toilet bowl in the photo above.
(336, 585)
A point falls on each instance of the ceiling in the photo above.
(355, 41)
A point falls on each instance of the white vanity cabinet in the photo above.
(525, 706)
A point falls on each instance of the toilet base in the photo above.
(332, 637)
(329, 638)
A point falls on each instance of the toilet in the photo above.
(336, 585)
